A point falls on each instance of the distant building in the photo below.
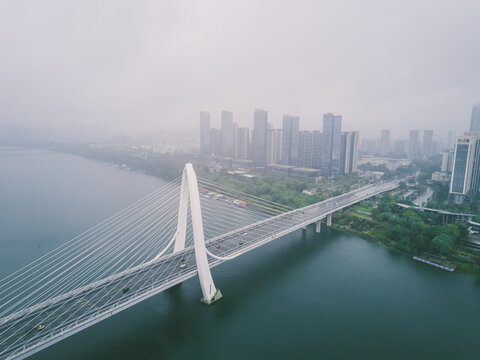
(295, 172)
(305, 173)
(390, 164)
(274, 146)
(290, 139)
(216, 142)
(427, 143)
(317, 150)
(243, 143)
(447, 161)
(349, 152)
(440, 176)
(353, 163)
(331, 144)
(235, 140)
(385, 142)
(310, 192)
(373, 174)
(466, 167)
(260, 121)
(413, 144)
(205, 146)
(475, 120)
(227, 134)
(280, 169)
(305, 149)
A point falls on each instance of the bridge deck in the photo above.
(33, 329)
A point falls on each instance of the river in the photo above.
(304, 296)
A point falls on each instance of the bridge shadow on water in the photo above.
(164, 325)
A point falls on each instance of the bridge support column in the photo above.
(189, 193)
(318, 226)
(304, 228)
(329, 220)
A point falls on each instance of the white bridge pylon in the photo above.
(189, 194)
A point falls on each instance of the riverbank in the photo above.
(462, 259)
(272, 187)
(408, 233)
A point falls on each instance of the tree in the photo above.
(443, 244)
(396, 233)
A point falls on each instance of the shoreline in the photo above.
(459, 265)
(370, 238)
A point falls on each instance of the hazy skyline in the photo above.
(147, 65)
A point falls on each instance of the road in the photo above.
(37, 327)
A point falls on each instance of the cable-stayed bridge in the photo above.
(181, 230)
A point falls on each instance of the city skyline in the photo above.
(301, 147)
(329, 152)
(385, 141)
(376, 134)
(394, 133)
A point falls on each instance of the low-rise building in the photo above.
(310, 191)
(440, 176)
(373, 174)
(390, 164)
(295, 172)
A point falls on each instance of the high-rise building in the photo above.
(355, 135)
(475, 121)
(227, 133)
(205, 146)
(278, 136)
(427, 143)
(274, 146)
(290, 139)
(331, 144)
(250, 145)
(447, 161)
(413, 144)
(385, 142)
(243, 143)
(260, 121)
(317, 150)
(305, 149)
(475, 185)
(466, 166)
(235, 140)
(349, 151)
(216, 142)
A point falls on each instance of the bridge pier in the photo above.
(329, 220)
(218, 295)
(318, 226)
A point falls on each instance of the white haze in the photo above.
(130, 65)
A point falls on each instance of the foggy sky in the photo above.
(156, 64)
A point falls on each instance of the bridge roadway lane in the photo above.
(70, 313)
